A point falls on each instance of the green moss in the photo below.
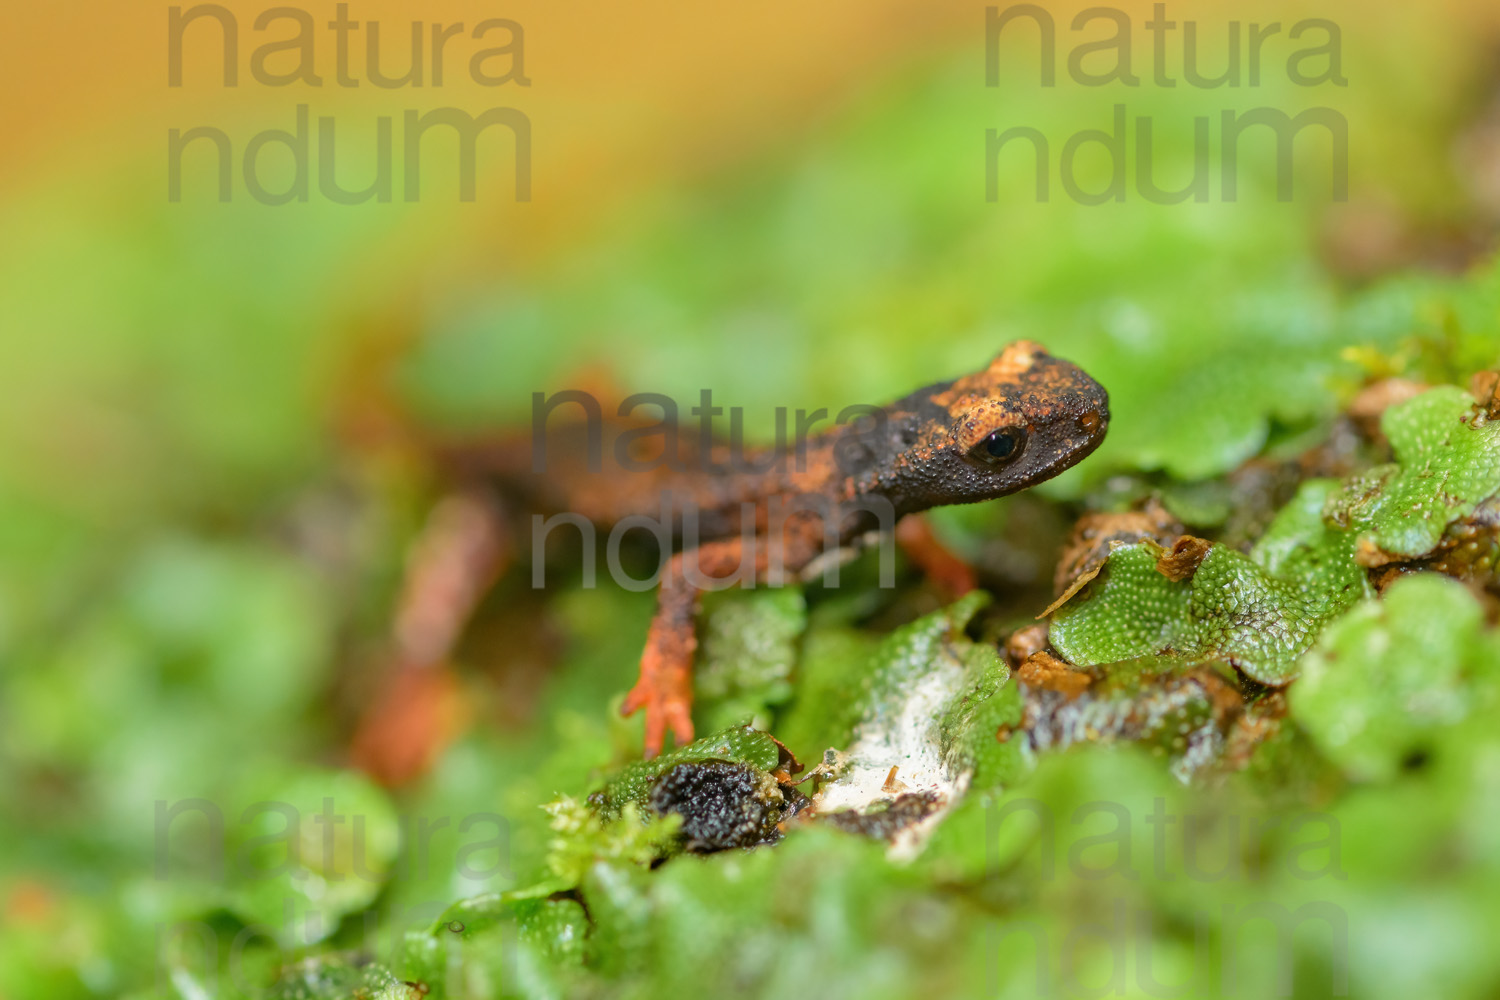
(1129, 610)
(907, 654)
(318, 845)
(1388, 678)
(1447, 463)
(813, 917)
(830, 677)
(1264, 610)
(748, 648)
(1260, 611)
(848, 679)
(973, 717)
(335, 977)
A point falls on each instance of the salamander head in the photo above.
(1022, 420)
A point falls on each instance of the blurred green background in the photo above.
(205, 493)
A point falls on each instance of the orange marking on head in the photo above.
(1008, 368)
(1016, 359)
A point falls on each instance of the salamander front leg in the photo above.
(665, 687)
(940, 564)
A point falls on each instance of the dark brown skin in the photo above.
(764, 518)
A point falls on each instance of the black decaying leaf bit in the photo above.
(724, 804)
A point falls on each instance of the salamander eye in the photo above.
(999, 447)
